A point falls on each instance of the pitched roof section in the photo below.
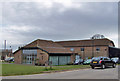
(49, 46)
(43, 43)
(95, 42)
(57, 50)
(59, 47)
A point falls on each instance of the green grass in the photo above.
(14, 69)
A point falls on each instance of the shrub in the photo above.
(70, 63)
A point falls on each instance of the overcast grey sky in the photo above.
(23, 22)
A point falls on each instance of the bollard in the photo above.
(50, 64)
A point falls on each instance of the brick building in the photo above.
(89, 48)
(61, 52)
(43, 51)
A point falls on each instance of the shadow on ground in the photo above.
(99, 68)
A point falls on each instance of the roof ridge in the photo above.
(81, 40)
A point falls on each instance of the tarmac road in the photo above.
(98, 73)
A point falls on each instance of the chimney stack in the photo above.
(5, 44)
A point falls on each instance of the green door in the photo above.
(60, 60)
(68, 59)
(54, 60)
(63, 60)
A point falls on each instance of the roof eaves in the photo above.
(30, 48)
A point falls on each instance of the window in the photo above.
(72, 49)
(42, 57)
(106, 58)
(30, 51)
(29, 56)
(97, 49)
(101, 58)
(82, 49)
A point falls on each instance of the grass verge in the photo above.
(14, 69)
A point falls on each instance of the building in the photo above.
(43, 51)
(62, 52)
(89, 48)
(5, 53)
(114, 52)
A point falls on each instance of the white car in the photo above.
(116, 59)
(10, 59)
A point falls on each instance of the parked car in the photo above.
(102, 62)
(116, 59)
(10, 59)
(87, 62)
(7, 59)
(77, 62)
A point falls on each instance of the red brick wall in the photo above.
(88, 51)
(18, 57)
(73, 58)
(42, 56)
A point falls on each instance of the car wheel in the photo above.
(114, 65)
(103, 66)
(92, 67)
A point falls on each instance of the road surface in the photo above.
(108, 73)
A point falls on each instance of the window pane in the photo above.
(97, 49)
(29, 56)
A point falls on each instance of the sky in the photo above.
(23, 22)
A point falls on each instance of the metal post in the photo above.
(46, 65)
(50, 64)
(72, 49)
(84, 54)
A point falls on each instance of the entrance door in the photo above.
(29, 60)
(77, 58)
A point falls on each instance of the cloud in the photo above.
(60, 20)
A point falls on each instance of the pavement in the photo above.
(97, 73)
(119, 72)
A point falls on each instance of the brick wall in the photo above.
(42, 56)
(18, 57)
(88, 51)
(73, 58)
